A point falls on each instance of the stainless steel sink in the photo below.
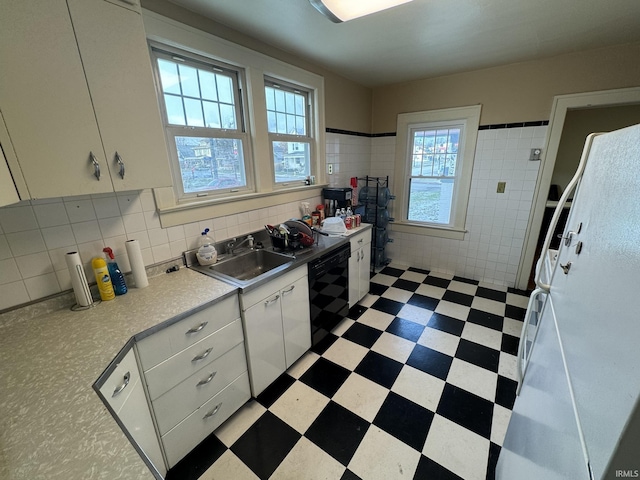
(249, 265)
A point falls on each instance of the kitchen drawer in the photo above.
(196, 427)
(167, 342)
(121, 382)
(271, 288)
(169, 373)
(179, 402)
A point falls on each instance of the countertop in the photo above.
(52, 423)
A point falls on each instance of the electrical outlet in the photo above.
(501, 187)
(330, 168)
(535, 154)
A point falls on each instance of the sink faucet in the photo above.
(232, 246)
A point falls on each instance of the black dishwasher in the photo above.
(328, 291)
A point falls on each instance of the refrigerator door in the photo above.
(543, 440)
(596, 296)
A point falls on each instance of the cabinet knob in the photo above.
(96, 165)
(202, 356)
(206, 380)
(123, 385)
(120, 165)
(196, 329)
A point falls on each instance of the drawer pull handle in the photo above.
(120, 165)
(206, 380)
(96, 165)
(273, 300)
(203, 355)
(212, 412)
(288, 290)
(123, 385)
(361, 240)
(196, 329)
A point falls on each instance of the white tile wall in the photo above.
(35, 236)
(496, 223)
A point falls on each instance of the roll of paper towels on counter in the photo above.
(78, 280)
(137, 263)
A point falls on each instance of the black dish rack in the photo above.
(373, 205)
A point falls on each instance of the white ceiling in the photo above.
(428, 38)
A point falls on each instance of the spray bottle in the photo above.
(117, 278)
(101, 272)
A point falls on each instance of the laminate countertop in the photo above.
(52, 423)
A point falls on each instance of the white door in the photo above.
(296, 321)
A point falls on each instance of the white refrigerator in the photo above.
(577, 412)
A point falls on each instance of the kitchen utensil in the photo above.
(306, 240)
(300, 225)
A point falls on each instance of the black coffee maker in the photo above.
(334, 198)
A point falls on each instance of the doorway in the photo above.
(572, 118)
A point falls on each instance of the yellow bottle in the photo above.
(101, 272)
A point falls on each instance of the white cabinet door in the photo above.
(359, 266)
(124, 393)
(116, 60)
(265, 342)
(296, 321)
(45, 102)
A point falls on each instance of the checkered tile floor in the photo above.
(418, 383)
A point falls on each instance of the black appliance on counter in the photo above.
(336, 197)
(328, 291)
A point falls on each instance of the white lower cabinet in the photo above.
(123, 391)
(180, 383)
(277, 326)
(359, 266)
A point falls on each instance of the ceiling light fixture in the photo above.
(343, 10)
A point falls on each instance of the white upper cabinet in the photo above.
(77, 83)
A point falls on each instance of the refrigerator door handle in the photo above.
(563, 199)
(523, 351)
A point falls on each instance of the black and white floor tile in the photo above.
(418, 383)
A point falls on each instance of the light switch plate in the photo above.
(501, 187)
(330, 168)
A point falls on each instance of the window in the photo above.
(204, 122)
(289, 132)
(434, 160)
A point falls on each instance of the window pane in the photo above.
(300, 105)
(291, 161)
(208, 85)
(169, 77)
(280, 103)
(228, 116)
(271, 122)
(211, 115)
(281, 120)
(225, 89)
(270, 96)
(189, 81)
(175, 110)
(291, 124)
(210, 163)
(430, 200)
(301, 127)
(194, 112)
(290, 102)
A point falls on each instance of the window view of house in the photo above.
(287, 121)
(203, 118)
(433, 157)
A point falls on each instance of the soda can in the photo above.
(348, 222)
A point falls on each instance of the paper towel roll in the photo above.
(78, 279)
(137, 263)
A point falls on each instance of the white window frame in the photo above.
(307, 138)
(256, 66)
(469, 119)
(172, 131)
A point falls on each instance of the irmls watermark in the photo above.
(627, 473)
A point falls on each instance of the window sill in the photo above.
(172, 214)
(429, 231)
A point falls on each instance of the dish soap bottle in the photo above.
(101, 272)
(207, 254)
(117, 278)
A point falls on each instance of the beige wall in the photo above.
(512, 93)
(347, 103)
(580, 123)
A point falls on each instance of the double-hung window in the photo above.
(289, 130)
(205, 125)
(434, 160)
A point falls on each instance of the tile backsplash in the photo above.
(36, 235)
